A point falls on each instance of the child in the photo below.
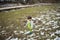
(29, 24)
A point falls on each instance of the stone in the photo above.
(21, 32)
(14, 39)
(57, 32)
(47, 39)
(52, 34)
(42, 33)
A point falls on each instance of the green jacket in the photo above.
(29, 25)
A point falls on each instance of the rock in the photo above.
(36, 26)
(42, 33)
(58, 14)
(42, 28)
(21, 32)
(52, 34)
(57, 38)
(20, 39)
(14, 39)
(39, 18)
(47, 39)
(54, 27)
(29, 39)
(32, 35)
(44, 22)
(49, 29)
(33, 39)
(33, 18)
(27, 32)
(58, 17)
(57, 26)
(3, 31)
(46, 29)
(57, 32)
(9, 38)
(0, 26)
(15, 31)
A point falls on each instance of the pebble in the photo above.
(39, 18)
(42, 33)
(58, 14)
(27, 32)
(57, 38)
(15, 31)
(14, 39)
(42, 28)
(52, 34)
(47, 39)
(57, 32)
(49, 29)
(54, 27)
(21, 32)
(0, 26)
(3, 31)
(33, 18)
(46, 29)
(32, 35)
